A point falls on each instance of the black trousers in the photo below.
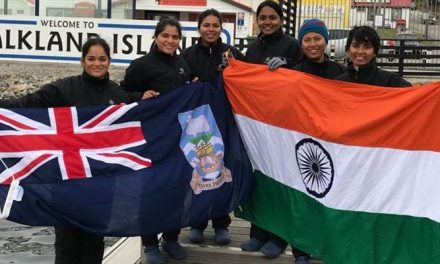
(217, 223)
(263, 235)
(75, 246)
(151, 240)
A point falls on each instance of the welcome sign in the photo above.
(61, 39)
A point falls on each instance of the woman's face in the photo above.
(168, 40)
(313, 45)
(96, 62)
(269, 21)
(361, 54)
(210, 30)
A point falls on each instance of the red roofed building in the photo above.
(379, 13)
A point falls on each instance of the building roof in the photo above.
(238, 4)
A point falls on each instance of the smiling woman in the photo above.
(273, 47)
(96, 58)
(92, 87)
(207, 58)
(156, 73)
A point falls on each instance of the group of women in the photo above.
(161, 70)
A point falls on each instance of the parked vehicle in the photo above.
(429, 19)
(336, 43)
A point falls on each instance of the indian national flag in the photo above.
(349, 173)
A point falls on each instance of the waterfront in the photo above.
(21, 244)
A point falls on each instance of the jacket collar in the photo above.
(361, 70)
(213, 48)
(155, 50)
(317, 64)
(269, 38)
(94, 81)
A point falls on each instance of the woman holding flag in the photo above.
(92, 87)
(275, 49)
(362, 47)
(313, 38)
(272, 46)
(158, 72)
(207, 59)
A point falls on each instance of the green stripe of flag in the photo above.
(341, 236)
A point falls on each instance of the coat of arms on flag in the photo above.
(203, 147)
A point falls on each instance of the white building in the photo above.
(185, 10)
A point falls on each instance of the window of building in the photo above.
(396, 13)
(156, 15)
(14, 7)
(74, 8)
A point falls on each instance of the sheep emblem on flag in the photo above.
(202, 145)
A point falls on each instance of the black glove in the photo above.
(276, 62)
(225, 60)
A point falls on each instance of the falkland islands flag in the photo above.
(346, 172)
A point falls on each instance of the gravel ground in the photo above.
(19, 78)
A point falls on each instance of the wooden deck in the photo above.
(205, 253)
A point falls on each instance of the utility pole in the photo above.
(98, 11)
(426, 20)
(5, 7)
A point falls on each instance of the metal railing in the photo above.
(405, 58)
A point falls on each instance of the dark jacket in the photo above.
(277, 44)
(156, 71)
(206, 62)
(81, 90)
(372, 75)
(327, 69)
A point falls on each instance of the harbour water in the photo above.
(20, 244)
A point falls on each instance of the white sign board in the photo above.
(378, 20)
(60, 39)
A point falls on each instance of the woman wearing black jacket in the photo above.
(157, 73)
(92, 87)
(275, 49)
(207, 60)
(362, 46)
(272, 46)
(313, 38)
(161, 69)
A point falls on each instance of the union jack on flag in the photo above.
(70, 142)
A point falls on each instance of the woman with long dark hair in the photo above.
(156, 73)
